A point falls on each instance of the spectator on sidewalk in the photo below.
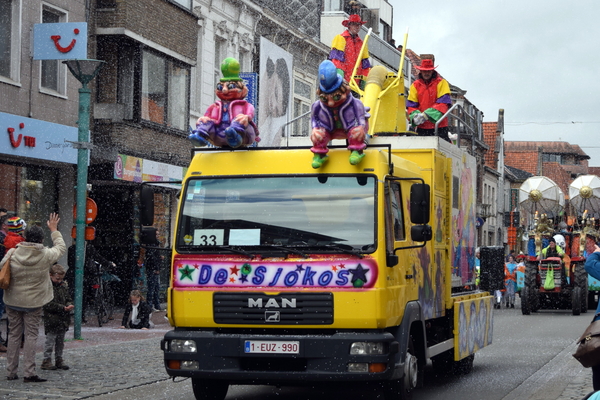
(29, 290)
(137, 313)
(152, 260)
(57, 318)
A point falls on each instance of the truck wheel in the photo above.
(576, 300)
(592, 303)
(402, 389)
(525, 301)
(209, 389)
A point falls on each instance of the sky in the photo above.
(537, 60)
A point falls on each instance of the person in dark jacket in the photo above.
(137, 312)
(152, 261)
(57, 318)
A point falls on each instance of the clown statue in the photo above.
(336, 115)
(228, 122)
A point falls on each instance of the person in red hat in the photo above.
(345, 49)
(428, 100)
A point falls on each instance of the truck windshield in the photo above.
(317, 213)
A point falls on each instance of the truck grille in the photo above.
(281, 309)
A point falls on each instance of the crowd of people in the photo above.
(41, 289)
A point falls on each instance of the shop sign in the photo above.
(60, 41)
(135, 169)
(33, 138)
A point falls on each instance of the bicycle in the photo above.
(103, 296)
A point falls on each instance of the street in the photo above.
(530, 359)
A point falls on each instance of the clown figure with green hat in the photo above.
(336, 115)
(228, 122)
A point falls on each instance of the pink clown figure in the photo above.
(336, 115)
(228, 122)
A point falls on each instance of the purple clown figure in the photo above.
(336, 115)
(228, 122)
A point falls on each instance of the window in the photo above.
(10, 39)
(394, 214)
(332, 5)
(220, 55)
(548, 157)
(53, 73)
(187, 4)
(165, 89)
(302, 103)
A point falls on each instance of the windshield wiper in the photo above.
(342, 248)
(225, 247)
(288, 249)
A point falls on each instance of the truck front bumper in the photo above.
(320, 357)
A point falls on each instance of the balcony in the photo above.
(484, 210)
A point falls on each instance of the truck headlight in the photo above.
(183, 346)
(366, 348)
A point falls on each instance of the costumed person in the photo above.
(592, 267)
(520, 271)
(229, 122)
(15, 229)
(345, 49)
(336, 115)
(510, 282)
(428, 100)
(477, 268)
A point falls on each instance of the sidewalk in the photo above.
(108, 359)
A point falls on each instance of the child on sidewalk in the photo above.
(57, 318)
(137, 313)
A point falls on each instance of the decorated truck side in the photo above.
(284, 273)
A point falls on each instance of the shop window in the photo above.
(10, 39)
(165, 89)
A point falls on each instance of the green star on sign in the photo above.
(186, 272)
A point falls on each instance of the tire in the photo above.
(209, 389)
(581, 281)
(402, 389)
(531, 272)
(576, 300)
(592, 303)
(525, 301)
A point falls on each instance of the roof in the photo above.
(547, 147)
(516, 174)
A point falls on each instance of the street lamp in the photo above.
(84, 71)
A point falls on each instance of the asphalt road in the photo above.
(529, 359)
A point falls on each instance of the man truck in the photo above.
(351, 274)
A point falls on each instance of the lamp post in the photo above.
(84, 71)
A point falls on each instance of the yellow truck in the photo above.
(353, 274)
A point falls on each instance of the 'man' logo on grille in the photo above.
(272, 303)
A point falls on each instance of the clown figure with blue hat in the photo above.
(336, 115)
(230, 121)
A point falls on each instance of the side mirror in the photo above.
(391, 260)
(147, 205)
(421, 233)
(419, 204)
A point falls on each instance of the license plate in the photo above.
(271, 347)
